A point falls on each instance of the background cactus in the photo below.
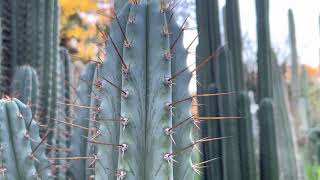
(294, 61)
(25, 86)
(30, 38)
(78, 146)
(224, 75)
(270, 85)
(245, 129)
(268, 153)
(131, 116)
(209, 42)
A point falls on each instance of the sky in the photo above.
(306, 14)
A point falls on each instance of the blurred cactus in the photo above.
(268, 141)
(209, 42)
(270, 85)
(294, 62)
(245, 130)
(221, 76)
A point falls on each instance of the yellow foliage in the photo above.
(85, 37)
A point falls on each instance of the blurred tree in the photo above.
(78, 30)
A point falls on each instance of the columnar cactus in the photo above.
(139, 121)
(294, 62)
(25, 86)
(268, 166)
(209, 41)
(22, 151)
(270, 86)
(285, 141)
(78, 146)
(60, 115)
(7, 58)
(214, 78)
(29, 36)
(47, 67)
(234, 39)
(268, 151)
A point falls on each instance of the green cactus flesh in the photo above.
(137, 131)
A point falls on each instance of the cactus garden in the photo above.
(159, 90)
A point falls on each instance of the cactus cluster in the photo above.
(271, 88)
(225, 75)
(129, 117)
(35, 70)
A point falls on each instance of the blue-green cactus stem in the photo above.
(42, 164)
(247, 158)
(209, 42)
(110, 99)
(132, 99)
(78, 146)
(25, 86)
(8, 32)
(268, 141)
(264, 50)
(133, 140)
(19, 152)
(182, 135)
(59, 139)
(245, 130)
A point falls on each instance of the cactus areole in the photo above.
(139, 127)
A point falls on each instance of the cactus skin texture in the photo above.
(138, 148)
(19, 137)
(81, 117)
(268, 154)
(8, 46)
(25, 85)
(22, 31)
(60, 114)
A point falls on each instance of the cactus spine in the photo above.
(245, 129)
(21, 147)
(78, 146)
(218, 77)
(209, 41)
(133, 99)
